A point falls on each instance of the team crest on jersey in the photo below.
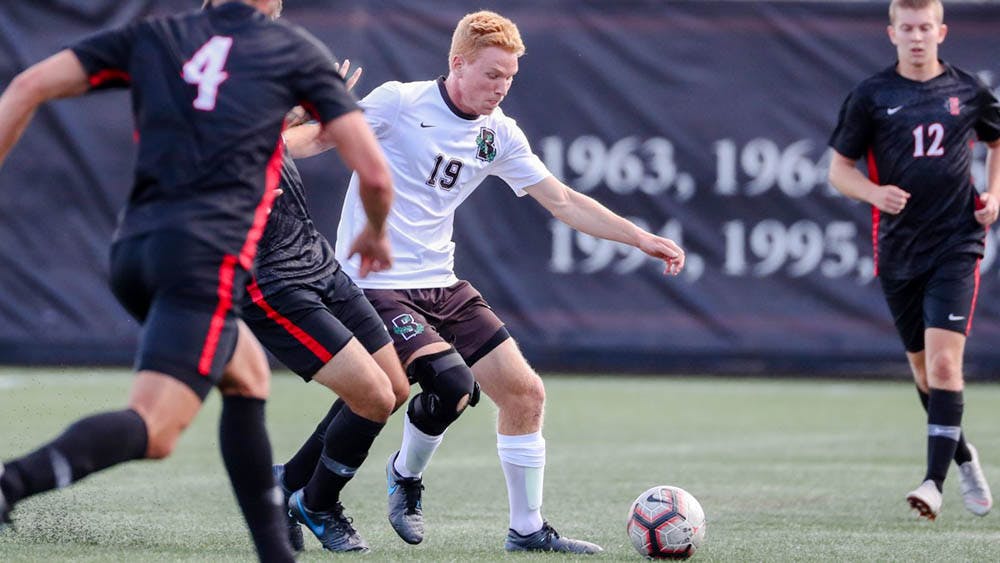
(953, 106)
(486, 144)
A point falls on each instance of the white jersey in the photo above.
(438, 155)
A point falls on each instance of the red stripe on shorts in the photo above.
(225, 291)
(227, 271)
(291, 328)
(975, 295)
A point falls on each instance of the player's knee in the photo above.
(161, 444)
(534, 392)
(401, 393)
(944, 371)
(447, 389)
(380, 404)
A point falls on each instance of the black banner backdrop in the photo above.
(704, 121)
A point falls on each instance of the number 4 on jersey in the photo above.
(205, 69)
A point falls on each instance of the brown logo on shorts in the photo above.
(405, 326)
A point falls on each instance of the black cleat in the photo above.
(548, 539)
(332, 529)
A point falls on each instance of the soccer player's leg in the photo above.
(194, 333)
(905, 299)
(518, 392)
(950, 300)
(159, 408)
(447, 389)
(302, 326)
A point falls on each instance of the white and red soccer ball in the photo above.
(666, 523)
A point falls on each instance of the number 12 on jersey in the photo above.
(205, 69)
(935, 134)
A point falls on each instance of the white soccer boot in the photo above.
(975, 490)
(926, 500)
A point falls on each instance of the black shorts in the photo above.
(186, 295)
(305, 325)
(457, 315)
(943, 297)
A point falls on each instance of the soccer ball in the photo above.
(666, 523)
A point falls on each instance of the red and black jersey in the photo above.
(919, 136)
(210, 90)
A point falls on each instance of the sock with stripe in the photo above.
(348, 439)
(962, 453)
(87, 446)
(944, 427)
(300, 468)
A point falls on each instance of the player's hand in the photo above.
(987, 208)
(296, 116)
(664, 249)
(890, 199)
(374, 249)
(343, 69)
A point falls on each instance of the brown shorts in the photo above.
(457, 315)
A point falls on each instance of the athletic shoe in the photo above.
(4, 507)
(332, 529)
(548, 539)
(294, 530)
(975, 490)
(926, 500)
(405, 513)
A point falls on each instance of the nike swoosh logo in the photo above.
(653, 498)
(980, 501)
(891, 111)
(317, 529)
(952, 317)
(425, 125)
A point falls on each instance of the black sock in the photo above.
(348, 439)
(962, 453)
(246, 452)
(300, 468)
(87, 446)
(944, 427)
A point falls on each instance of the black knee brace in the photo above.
(445, 381)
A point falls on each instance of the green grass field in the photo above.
(786, 470)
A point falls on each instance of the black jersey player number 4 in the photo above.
(205, 70)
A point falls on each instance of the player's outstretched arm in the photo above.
(301, 138)
(360, 151)
(989, 201)
(586, 215)
(58, 76)
(849, 181)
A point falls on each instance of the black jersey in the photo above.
(210, 90)
(918, 136)
(292, 250)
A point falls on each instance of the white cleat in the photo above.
(926, 500)
(975, 490)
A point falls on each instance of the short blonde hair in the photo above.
(483, 29)
(896, 5)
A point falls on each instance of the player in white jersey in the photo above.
(442, 139)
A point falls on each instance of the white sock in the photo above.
(523, 461)
(416, 450)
